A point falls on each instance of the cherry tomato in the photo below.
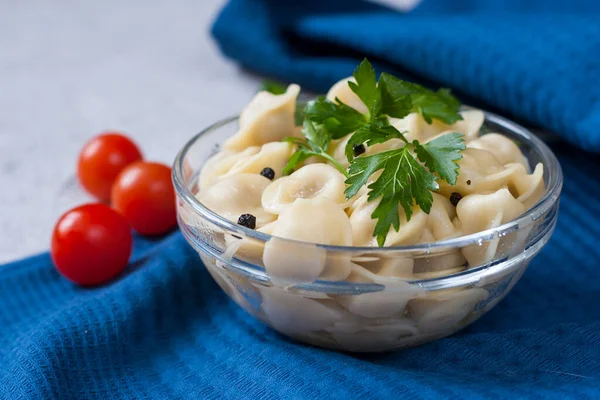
(91, 244)
(143, 193)
(101, 160)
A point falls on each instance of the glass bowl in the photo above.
(367, 312)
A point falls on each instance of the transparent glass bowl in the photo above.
(367, 312)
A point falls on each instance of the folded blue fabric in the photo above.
(535, 61)
(165, 330)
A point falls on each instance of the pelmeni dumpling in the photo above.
(416, 127)
(478, 212)
(505, 150)
(363, 225)
(440, 217)
(375, 337)
(444, 310)
(274, 155)
(234, 285)
(381, 304)
(337, 149)
(316, 221)
(290, 313)
(440, 226)
(268, 118)
(470, 124)
(528, 188)
(342, 91)
(235, 195)
(247, 249)
(437, 262)
(480, 171)
(220, 163)
(309, 182)
(392, 266)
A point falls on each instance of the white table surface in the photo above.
(70, 69)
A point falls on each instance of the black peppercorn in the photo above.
(268, 173)
(455, 198)
(247, 220)
(358, 149)
(468, 182)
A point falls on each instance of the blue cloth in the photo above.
(164, 330)
(534, 61)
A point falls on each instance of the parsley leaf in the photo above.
(393, 103)
(318, 137)
(366, 87)
(317, 142)
(378, 131)
(441, 105)
(441, 155)
(338, 118)
(403, 182)
(301, 155)
(299, 113)
(272, 87)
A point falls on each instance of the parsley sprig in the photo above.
(408, 174)
(316, 144)
(404, 181)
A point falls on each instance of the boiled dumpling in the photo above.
(374, 337)
(505, 150)
(440, 218)
(219, 164)
(342, 91)
(235, 195)
(316, 221)
(268, 118)
(363, 225)
(444, 311)
(412, 126)
(337, 149)
(438, 262)
(309, 182)
(417, 128)
(247, 249)
(528, 188)
(291, 313)
(381, 304)
(470, 124)
(479, 212)
(480, 171)
(386, 266)
(274, 155)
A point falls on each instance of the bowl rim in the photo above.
(551, 167)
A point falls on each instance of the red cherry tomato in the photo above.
(101, 160)
(91, 244)
(143, 193)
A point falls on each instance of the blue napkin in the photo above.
(534, 61)
(164, 330)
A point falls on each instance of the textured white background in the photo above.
(70, 69)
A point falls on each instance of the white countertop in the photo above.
(69, 70)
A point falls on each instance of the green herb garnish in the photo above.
(272, 87)
(316, 144)
(404, 181)
(408, 174)
(337, 118)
